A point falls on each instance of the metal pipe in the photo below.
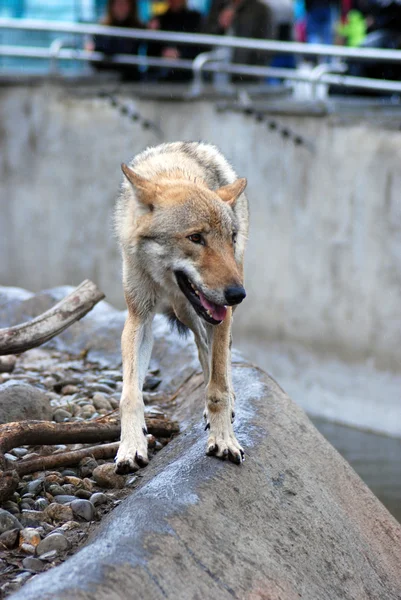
(383, 55)
(198, 66)
(262, 72)
(319, 71)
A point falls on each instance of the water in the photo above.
(356, 407)
(376, 459)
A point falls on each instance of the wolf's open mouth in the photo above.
(211, 312)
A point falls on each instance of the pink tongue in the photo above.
(218, 312)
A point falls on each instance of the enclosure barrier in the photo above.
(211, 64)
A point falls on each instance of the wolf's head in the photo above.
(185, 237)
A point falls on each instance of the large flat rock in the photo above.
(294, 521)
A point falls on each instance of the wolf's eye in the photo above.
(234, 237)
(196, 238)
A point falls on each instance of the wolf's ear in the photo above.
(230, 193)
(146, 189)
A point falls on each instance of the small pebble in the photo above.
(87, 411)
(10, 457)
(8, 521)
(98, 498)
(27, 504)
(12, 507)
(60, 415)
(64, 499)
(27, 548)
(41, 503)
(69, 489)
(63, 383)
(9, 538)
(29, 535)
(55, 489)
(100, 402)
(54, 478)
(32, 518)
(87, 465)
(83, 509)
(151, 383)
(114, 402)
(69, 472)
(7, 363)
(84, 494)
(100, 387)
(34, 565)
(20, 452)
(60, 513)
(69, 389)
(54, 541)
(108, 382)
(76, 481)
(88, 484)
(105, 476)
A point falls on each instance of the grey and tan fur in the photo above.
(182, 222)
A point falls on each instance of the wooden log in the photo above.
(65, 459)
(73, 307)
(9, 481)
(30, 433)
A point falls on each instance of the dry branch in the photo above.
(65, 459)
(8, 484)
(31, 433)
(73, 307)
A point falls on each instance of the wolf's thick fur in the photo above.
(182, 222)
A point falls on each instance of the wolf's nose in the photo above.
(234, 294)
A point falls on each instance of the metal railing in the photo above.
(314, 76)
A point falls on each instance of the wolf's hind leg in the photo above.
(136, 345)
(219, 398)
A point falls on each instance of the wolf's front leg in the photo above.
(222, 441)
(136, 343)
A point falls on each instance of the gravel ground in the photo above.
(52, 512)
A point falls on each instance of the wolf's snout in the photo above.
(234, 294)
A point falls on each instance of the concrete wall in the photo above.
(324, 257)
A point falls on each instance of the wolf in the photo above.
(182, 223)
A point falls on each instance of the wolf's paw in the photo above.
(131, 456)
(225, 445)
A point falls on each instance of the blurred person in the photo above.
(179, 18)
(353, 30)
(300, 21)
(119, 13)
(321, 16)
(241, 18)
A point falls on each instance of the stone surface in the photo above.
(54, 541)
(7, 363)
(293, 521)
(105, 476)
(98, 498)
(87, 466)
(8, 521)
(9, 538)
(34, 565)
(32, 518)
(64, 498)
(29, 535)
(20, 401)
(100, 402)
(58, 513)
(60, 415)
(83, 509)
